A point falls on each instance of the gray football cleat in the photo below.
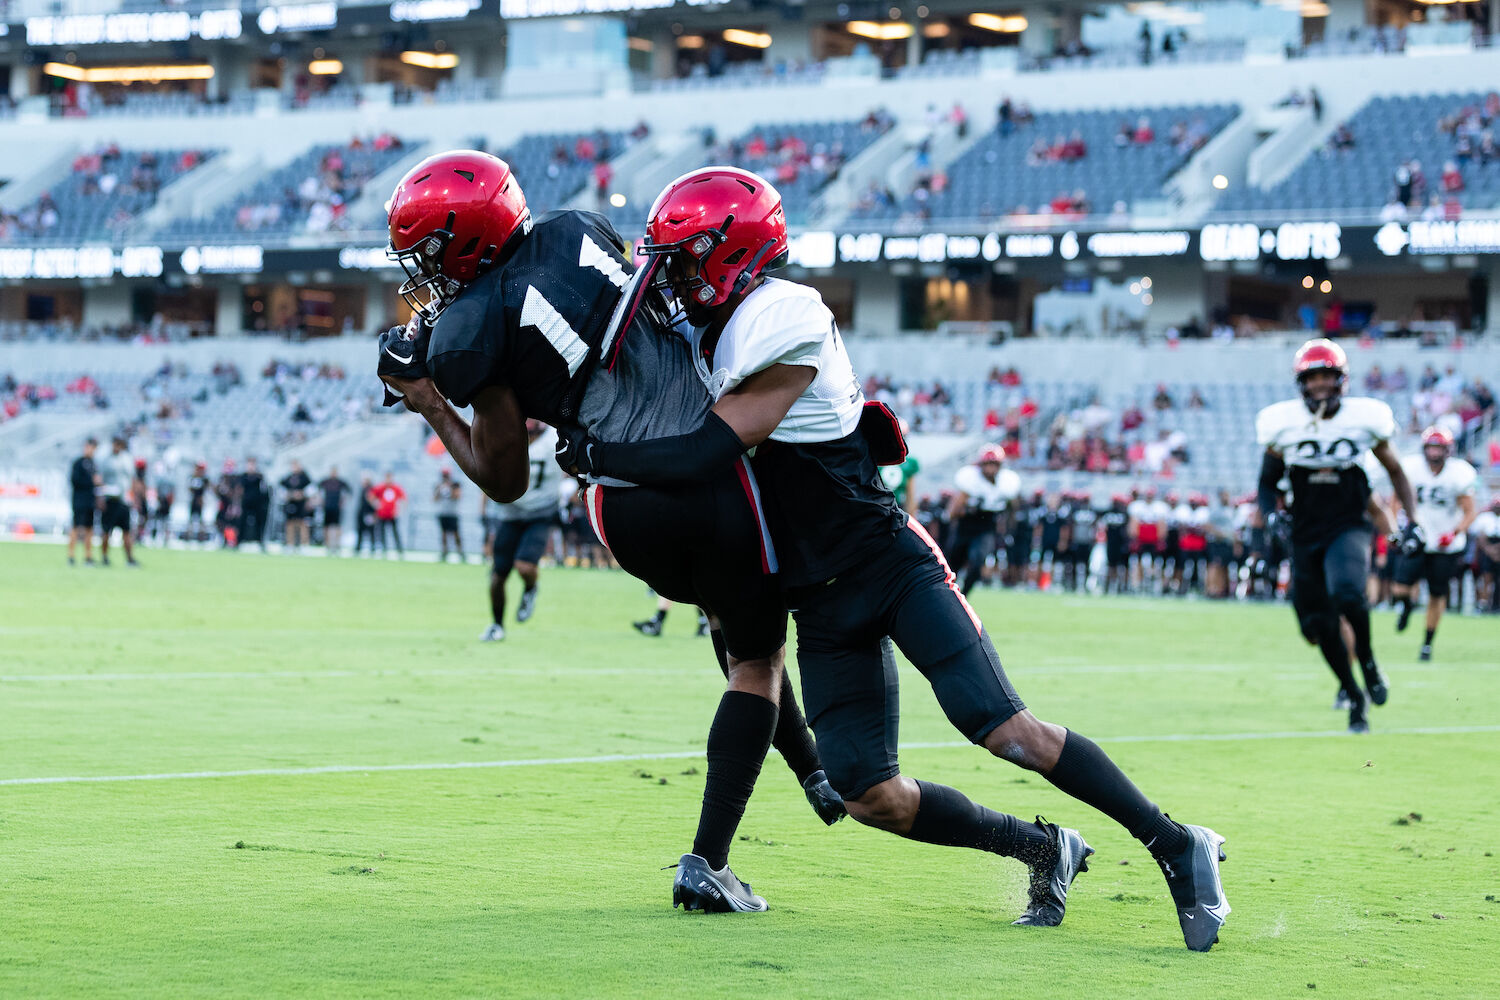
(1375, 683)
(1197, 892)
(527, 605)
(1052, 875)
(699, 887)
(492, 634)
(826, 802)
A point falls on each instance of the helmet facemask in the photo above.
(426, 289)
(1324, 402)
(680, 275)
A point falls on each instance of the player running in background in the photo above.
(1486, 531)
(1316, 442)
(983, 492)
(522, 528)
(1445, 488)
(856, 569)
(901, 480)
(83, 479)
(517, 318)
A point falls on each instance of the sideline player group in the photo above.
(732, 463)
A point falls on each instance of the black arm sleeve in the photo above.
(689, 457)
(1267, 495)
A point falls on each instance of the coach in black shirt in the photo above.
(84, 479)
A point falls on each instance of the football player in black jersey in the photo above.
(1116, 523)
(523, 319)
(1316, 442)
(197, 488)
(857, 570)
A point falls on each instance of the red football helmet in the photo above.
(450, 218)
(991, 453)
(1437, 437)
(1317, 355)
(715, 230)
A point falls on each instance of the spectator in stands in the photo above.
(1342, 139)
(1394, 210)
(1487, 148)
(1144, 134)
(959, 119)
(1374, 379)
(1196, 400)
(1162, 400)
(1405, 184)
(1006, 115)
(1452, 180)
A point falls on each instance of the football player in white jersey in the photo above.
(1445, 509)
(1316, 443)
(984, 491)
(855, 570)
(1486, 529)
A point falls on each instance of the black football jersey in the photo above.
(82, 480)
(1052, 522)
(1116, 529)
(528, 323)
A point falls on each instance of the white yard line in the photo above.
(687, 755)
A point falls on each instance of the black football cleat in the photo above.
(1425, 654)
(826, 802)
(699, 887)
(1375, 683)
(1052, 875)
(1341, 701)
(527, 605)
(1197, 892)
(648, 627)
(1359, 718)
(1403, 617)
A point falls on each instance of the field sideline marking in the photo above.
(687, 754)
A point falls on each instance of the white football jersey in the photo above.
(1307, 441)
(784, 323)
(984, 495)
(544, 476)
(1487, 526)
(1437, 498)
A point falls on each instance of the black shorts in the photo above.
(84, 513)
(1079, 555)
(448, 523)
(1329, 578)
(116, 515)
(849, 689)
(1118, 556)
(704, 544)
(1488, 566)
(332, 518)
(1220, 553)
(973, 542)
(516, 541)
(295, 510)
(1436, 568)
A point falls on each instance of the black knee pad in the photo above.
(1316, 625)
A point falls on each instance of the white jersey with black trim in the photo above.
(985, 495)
(784, 323)
(1437, 498)
(1329, 487)
(544, 476)
(1486, 526)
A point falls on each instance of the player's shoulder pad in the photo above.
(1465, 474)
(969, 480)
(1276, 418)
(1373, 414)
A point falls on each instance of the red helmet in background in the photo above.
(450, 217)
(991, 453)
(1319, 355)
(1437, 437)
(728, 222)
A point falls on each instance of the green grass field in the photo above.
(359, 799)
